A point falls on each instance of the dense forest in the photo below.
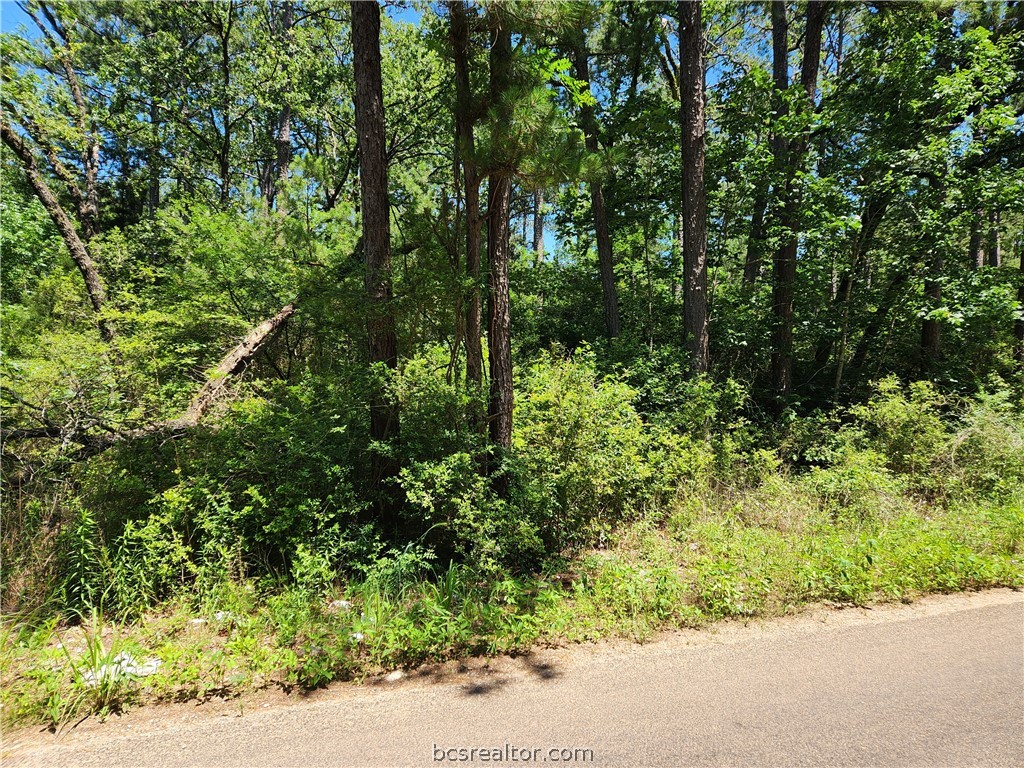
(304, 295)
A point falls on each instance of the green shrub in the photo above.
(905, 425)
(985, 455)
(858, 486)
(582, 450)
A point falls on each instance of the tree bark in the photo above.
(602, 233)
(376, 210)
(931, 334)
(756, 238)
(498, 230)
(76, 247)
(976, 248)
(464, 120)
(695, 237)
(233, 363)
(1019, 325)
(284, 122)
(784, 259)
(538, 226)
(153, 161)
(995, 250)
(792, 157)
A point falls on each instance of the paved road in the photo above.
(938, 683)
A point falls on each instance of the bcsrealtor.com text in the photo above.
(508, 753)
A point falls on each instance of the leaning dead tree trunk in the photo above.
(233, 363)
(66, 228)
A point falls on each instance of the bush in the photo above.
(583, 455)
(904, 424)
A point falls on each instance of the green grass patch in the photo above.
(699, 565)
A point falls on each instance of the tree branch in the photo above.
(79, 253)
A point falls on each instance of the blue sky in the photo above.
(12, 17)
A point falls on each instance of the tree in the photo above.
(283, 141)
(695, 238)
(375, 208)
(602, 234)
(791, 157)
(499, 196)
(466, 147)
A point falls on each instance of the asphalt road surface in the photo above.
(938, 683)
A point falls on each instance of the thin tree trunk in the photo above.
(874, 325)
(1020, 308)
(498, 226)
(224, 153)
(376, 210)
(871, 219)
(153, 161)
(602, 233)
(756, 238)
(931, 335)
(784, 263)
(538, 225)
(464, 120)
(695, 237)
(76, 247)
(995, 250)
(284, 122)
(976, 249)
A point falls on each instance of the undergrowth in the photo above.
(181, 585)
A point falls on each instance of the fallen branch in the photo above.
(233, 363)
(66, 228)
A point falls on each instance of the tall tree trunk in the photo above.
(976, 249)
(464, 120)
(1019, 326)
(995, 250)
(376, 210)
(284, 121)
(756, 238)
(75, 245)
(153, 161)
(498, 229)
(783, 267)
(793, 156)
(538, 226)
(695, 236)
(931, 336)
(602, 233)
